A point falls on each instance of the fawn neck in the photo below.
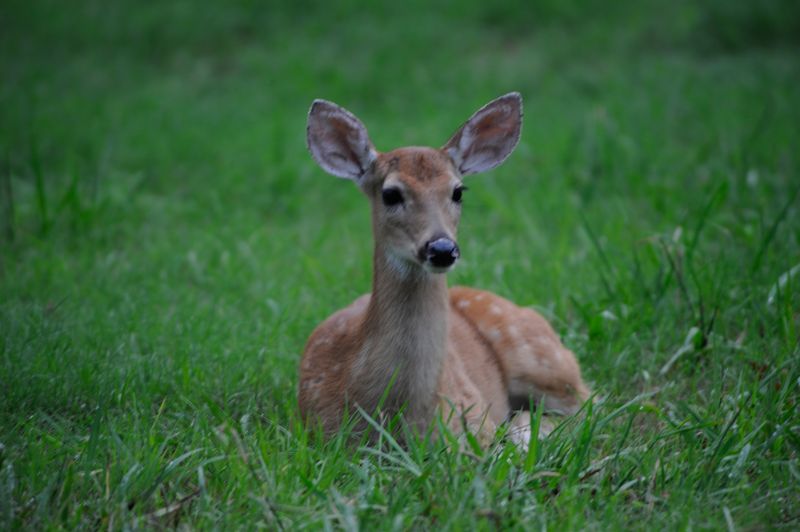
(404, 339)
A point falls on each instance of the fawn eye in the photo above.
(457, 192)
(391, 196)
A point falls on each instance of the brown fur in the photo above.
(462, 347)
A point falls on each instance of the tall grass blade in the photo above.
(41, 191)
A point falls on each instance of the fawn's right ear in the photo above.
(338, 141)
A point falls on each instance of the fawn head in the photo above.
(415, 192)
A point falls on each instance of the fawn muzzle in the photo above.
(440, 252)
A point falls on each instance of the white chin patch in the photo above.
(405, 267)
(430, 268)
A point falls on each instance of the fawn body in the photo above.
(412, 342)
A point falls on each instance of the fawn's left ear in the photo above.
(338, 141)
(488, 137)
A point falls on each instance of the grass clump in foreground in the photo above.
(168, 245)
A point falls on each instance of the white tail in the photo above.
(439, 348)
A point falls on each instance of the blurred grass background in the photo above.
(168, 244)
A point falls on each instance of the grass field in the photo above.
(167, 246)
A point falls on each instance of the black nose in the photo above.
(441, 252)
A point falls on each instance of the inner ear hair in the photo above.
(488, 137)
(338, 141)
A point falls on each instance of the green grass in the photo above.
(167, 246)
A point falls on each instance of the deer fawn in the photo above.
(412, 344)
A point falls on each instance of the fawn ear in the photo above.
(488, 137)
(338, 141)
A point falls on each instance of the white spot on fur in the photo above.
(495, 334)
(464, 303)
(326, 341)
(513, 331)
(526, 351)
(479, 297)
(494, 309)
